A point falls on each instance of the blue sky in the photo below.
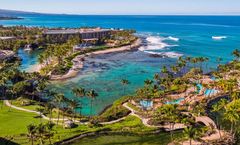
(147, 7)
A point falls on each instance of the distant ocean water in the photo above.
(169, 36)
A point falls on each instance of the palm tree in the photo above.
(59, 98)
(92, 95)
(49, 134)
(216, 108)
(182, 66)
(236, 54)
(194, 61)
(79, 92)
(164, 70)
(232, 115)
(41, 111)
(48, 108)
(175, 69)
(190, 133)
(148, 82)
(124, 83)
(219, 60)
(73, 104)
(31, 132)
(156, 77)
(3, 87)
(235, 95)
(40, 133)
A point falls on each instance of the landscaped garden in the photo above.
(180, 104)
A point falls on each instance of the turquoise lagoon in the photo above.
(167, 36)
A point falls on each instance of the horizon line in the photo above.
(119, 14)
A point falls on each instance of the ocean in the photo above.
(167, 36)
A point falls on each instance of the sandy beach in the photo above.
(35, 68)
(136, 44)
(78, 63)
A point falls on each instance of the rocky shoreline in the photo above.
(78, 61)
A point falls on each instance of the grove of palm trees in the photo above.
(182, 100)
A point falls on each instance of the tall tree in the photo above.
(124, 83)
(92, 95)
(190, 133)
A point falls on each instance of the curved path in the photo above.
(212, 137)
(55, 119)
(145, 121)
(133, 113)
(32, 111)
(206, 120)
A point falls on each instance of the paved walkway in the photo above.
(55, 119)
(145, 121)
(32, 111)
(212, 137)
(206, 120)
(133, 113)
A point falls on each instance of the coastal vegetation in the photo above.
(59, 54)
(57, 57)
(180, 99)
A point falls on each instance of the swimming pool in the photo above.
(199, 88)
(146, 104)
(178, 101)
(207, 92)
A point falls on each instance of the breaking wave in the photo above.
(173, 38)
(155, 45)
(219, 37)
(170, 54)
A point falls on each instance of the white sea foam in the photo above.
(170, 54)
(156, 45)
(173, 38)
(154, 39)
(219, 37)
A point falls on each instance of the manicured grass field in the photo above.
(13, 126)
(160, 139)
(14, 122)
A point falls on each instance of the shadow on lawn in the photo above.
(4, 141)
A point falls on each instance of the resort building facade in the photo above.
(84, 33)
(6, 55)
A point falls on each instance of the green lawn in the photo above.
(160, 139)
(13, 124)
